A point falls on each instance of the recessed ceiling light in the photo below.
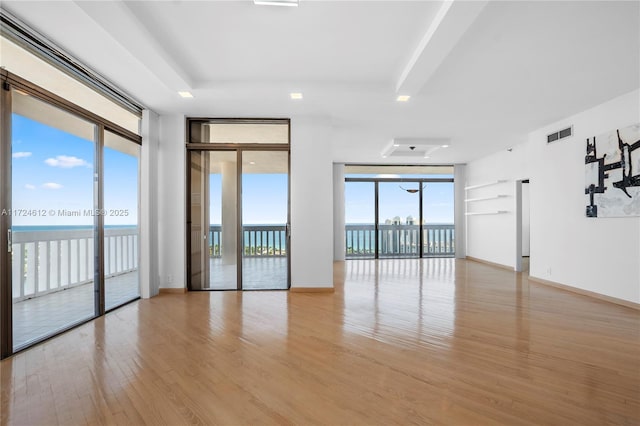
(445, 146)
(252, 162)
(426, 156)
(403, 98)
(290, 3)
(185, 94)
(395, 144)
(296, 95)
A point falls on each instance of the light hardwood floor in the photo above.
(434, 341)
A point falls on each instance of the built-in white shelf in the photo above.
(483, 213)
(493, 197)
(495, 182)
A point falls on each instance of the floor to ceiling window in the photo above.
(69, 195)
(238, 204)
(70, 210)
(399, 211)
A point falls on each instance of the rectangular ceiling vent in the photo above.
(560, 134)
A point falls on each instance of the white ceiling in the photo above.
(482, 74)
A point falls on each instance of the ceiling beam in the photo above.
(126, 29)
(449, 25)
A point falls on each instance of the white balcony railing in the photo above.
(48, 261)
(400, 240)
(258, 240)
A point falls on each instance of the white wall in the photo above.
(149, 273)
(525, 220)
(171, 202)
(338, 212)
(492, 237)
(311, 204)
(598, 255)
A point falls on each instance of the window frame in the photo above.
(8, 82)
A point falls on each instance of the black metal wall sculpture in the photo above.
(625, 155)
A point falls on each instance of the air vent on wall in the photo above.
(560, 134)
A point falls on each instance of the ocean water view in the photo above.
(271, 238)
(42, 228)
(258, 238)
(399, 239)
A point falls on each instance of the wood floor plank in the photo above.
(433, 341)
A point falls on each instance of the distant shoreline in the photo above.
(32, 228)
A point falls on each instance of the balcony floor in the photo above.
(259, 273)
(44, 315)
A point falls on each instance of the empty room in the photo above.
(319, 212)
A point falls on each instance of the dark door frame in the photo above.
(239, 148)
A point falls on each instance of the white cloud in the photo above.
(66, 162)
(51, 185)
(22, 154)
(29, 186)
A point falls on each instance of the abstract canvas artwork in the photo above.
(612, 171)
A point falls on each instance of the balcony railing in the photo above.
(400, 240)
(48, 261)
(259, 240)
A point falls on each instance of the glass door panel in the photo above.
(197, 260)
(52, 219)
(360, 224)
(213, 220)
(222, 220)
(265, 183)
(121, 230)
(438, 213)
(398, 219)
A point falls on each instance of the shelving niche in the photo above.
(486, 198)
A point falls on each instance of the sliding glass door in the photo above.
(69, 211)
(399, 219)
(121, 159)
(399, 211)
(52, 229)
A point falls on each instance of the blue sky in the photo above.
(53, 170)
(264, 199)
(395, 201)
